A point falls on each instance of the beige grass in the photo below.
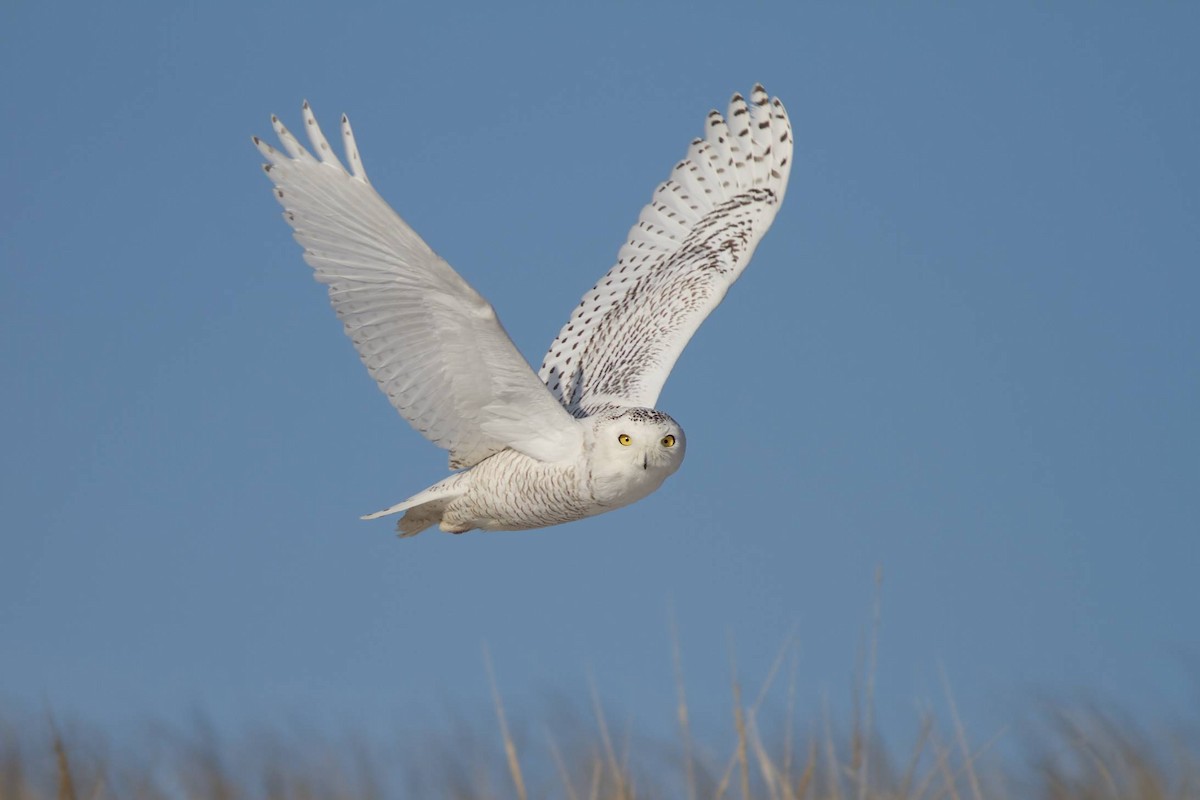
(1080, 754)
(1083, 754)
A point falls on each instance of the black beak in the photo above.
(645, 461)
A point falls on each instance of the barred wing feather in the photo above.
(434, 345)
(690, 243)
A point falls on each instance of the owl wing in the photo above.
(433, 344)
(688, 247)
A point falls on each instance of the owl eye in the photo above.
(625, 439)
(668, 441)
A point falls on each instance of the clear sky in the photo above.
(966, 353)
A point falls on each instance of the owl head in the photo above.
(633, 451)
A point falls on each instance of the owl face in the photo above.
(633, 452)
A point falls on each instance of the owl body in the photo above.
(580, 435)
(627, 454)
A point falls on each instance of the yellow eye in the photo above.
(625, 439)
(668, 441)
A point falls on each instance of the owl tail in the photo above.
(425, 509)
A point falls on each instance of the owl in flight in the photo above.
(582, 436)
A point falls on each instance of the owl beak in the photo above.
(645, 461)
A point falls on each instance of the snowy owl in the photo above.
(580, 437)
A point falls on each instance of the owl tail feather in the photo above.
(425, 508)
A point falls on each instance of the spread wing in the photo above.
(688, 247)
(433, 344)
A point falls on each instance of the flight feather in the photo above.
(433, 344)
(688, 246)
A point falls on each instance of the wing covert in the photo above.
(434, 345)
(688, 246)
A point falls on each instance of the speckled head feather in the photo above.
(649, 416)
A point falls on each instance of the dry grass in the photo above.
(1078, 754)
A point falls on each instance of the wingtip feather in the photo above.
(351, 147)
(319, 143)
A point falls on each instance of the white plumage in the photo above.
(581, 437)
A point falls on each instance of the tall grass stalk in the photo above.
(1078, 754)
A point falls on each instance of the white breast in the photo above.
(511, 491)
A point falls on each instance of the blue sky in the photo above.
(966, 353)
